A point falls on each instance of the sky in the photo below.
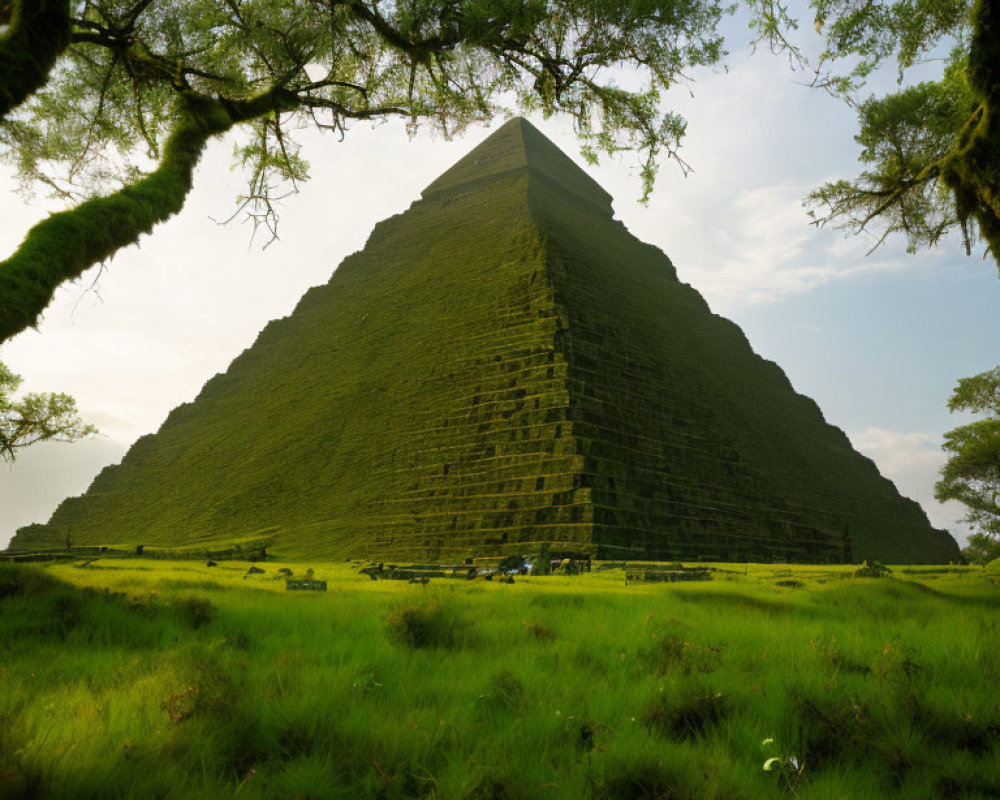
(877, 340)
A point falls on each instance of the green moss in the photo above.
(38, 32)
(504, 367)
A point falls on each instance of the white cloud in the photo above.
(760, 247)
(47, 473)
(912, 461)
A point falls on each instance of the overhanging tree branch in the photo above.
(66, 244)
(419, 49)
(128, 62)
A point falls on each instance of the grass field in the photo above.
(138, 678)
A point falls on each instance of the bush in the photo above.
(872, 569)
(430, 624)
(16, 580)
(509, 563)
(197, 611)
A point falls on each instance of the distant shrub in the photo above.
(510, 563)
(197, 611)
(431, 624)
(872, 569)
(993, 568)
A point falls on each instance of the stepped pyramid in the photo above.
(503, 365)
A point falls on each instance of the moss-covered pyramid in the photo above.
(503, 365)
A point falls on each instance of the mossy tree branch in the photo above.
(67, 243)
(37, 32)
(905, 136)
(934, 148)
(449, 62)
(972, 169)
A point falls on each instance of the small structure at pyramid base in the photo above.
(502, 369)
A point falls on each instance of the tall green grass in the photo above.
(131, 679)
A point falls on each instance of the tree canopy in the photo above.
(932, 151)
(981, 549)
(109, 104)
(35, 417)
(972, 473)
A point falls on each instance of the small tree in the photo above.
(35, 417)
(972, 474)
(982, 549)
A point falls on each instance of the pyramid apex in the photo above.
(518, 146)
